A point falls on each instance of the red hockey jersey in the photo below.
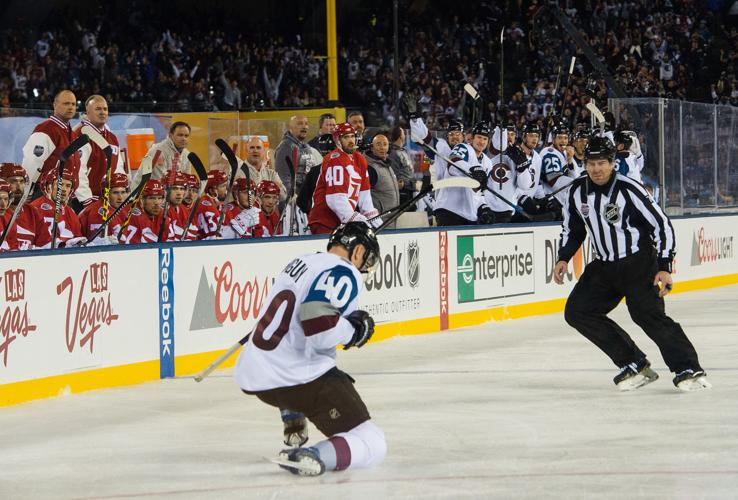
(91, 218)
(341, 193)
(68, 226)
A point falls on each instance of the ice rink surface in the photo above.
(515, 409)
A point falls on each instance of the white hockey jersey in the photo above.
(535, 177)
(462, 201)
(555, 172)
(505, 180)
(627, 164)
(301, 323)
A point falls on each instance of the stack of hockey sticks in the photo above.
(393, 213)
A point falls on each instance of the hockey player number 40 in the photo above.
(285, 296)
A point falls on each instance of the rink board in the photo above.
(88, 319)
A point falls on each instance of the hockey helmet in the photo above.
(68, 175)
(240, 184)
(4, 186)
(153, 188)
(8, 170)
(193, 182)
(455, 126)
(599, 148)
(624, 138)
(532, 128)
(216, 178)
(268, 187)
(118, 180)
(349, 235)
(481, 128)
(341, 130)
(559, 128)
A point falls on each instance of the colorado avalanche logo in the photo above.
(499, 173)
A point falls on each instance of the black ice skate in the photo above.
(635, 375)
(691, 380)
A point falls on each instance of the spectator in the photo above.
(50, 137)
(356, 120)
(93, 163)
(401, 165)
(259, 169)
(173, 153)
(292, 154)
(385, 189)
(326, 125)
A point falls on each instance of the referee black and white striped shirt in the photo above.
(621, 219)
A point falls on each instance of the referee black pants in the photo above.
(600, 289)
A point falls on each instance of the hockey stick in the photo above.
(107, 150)
(463, 182)
(469, 89)
(292, 163)
(146, 168)
(502, 79)
(202, 174)
(230, 156)
(566, 87)
(69, 151)
(32, 179)
(515, 207)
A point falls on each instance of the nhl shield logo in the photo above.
(413, 263)
(612, 213)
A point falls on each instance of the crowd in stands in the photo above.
(667, 48)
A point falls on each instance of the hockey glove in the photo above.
(519, 158)
(363, 328)
(531, 205)
(248, 218)
(409, 106)
(479, 175)
(485, 215)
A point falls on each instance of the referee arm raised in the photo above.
(635, 245)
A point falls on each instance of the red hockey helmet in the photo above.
(8, 170)
(118, 180)
(4, 186)
(68, 175)
(240, 185)
(153, 188)
(216, 178)
(268, 187)
(193, 182)
(341, 130)
(180, 179)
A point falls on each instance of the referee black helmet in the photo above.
(599, 148)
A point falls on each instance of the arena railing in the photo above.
(690, 151)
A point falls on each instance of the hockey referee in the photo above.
(634, 243)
